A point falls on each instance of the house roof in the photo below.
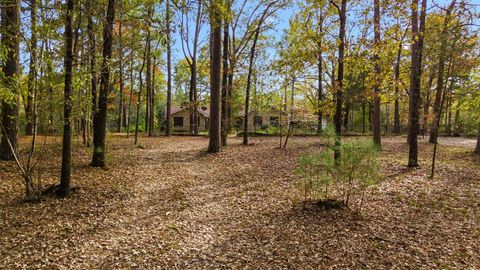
(203, 110)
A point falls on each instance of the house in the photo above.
(180, 116)
(262, 119)
(271, 117)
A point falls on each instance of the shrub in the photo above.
(320, 178)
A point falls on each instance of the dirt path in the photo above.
(170, 206)
(456, 141)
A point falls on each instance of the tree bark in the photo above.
(377, 139)
(121, 106)
(250, 71)
(151, 130)
(10, 109)
(415, 80)
(100, 116)
(148, 73)
(339, 83)
(320, 94)
(92, 56)
(320, 74)
(426, 108)
(193, 72)
(67, 107)
(440, 79)
(396, 116)
(168, 131)
(32, 73)
(225, 97)
(139, 98)
(215, 80)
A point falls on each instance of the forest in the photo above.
(239, 134)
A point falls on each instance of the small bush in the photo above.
(321, 178)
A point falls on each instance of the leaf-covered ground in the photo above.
(168, 205)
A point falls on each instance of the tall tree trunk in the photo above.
(193, 73)
(320, 75)
(377, 139)
(291, 114)
(225, 97)
(151, 130)
(192, 94)
(32, 73)
(440, 80)
(67, 107)
(214, 144)
(250, 71)
(320, 95)
(130, 96)
(100, 116)
(148, 73)
(139, 97)
(92, 56)
(339, 83)
(415, 80)
(10, 109)
(168, 131)
(396, 114)
(426, 108)
(448, 110)
(247, 92)
(121, 106)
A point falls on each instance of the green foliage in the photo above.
(319, 177)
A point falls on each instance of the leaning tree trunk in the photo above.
(10, 41)
(100, 116)
(247, 93)
(215, 78)
(67, 107)
(250, 71)
(377, 139)
(441, 67)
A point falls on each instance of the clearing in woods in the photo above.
(168, 205)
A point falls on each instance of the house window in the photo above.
(178, 121)
(274, 121)
(257, 120)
